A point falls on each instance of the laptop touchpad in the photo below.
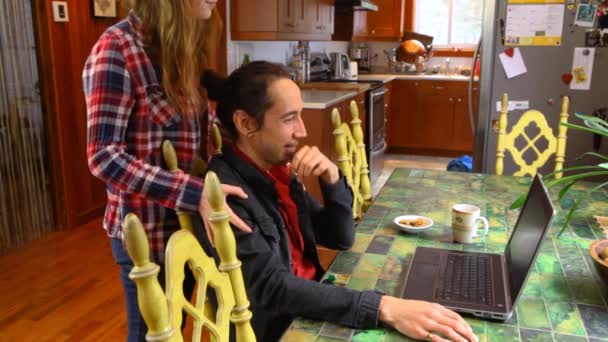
(420, 281)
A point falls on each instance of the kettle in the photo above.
(340, 65)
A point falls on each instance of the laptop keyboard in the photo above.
(466, 278)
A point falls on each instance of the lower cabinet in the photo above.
(319, 131)
(430, 117)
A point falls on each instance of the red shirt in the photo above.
(281, 176)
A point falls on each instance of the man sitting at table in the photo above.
(260, 107)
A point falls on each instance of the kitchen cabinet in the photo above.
(384, 25)
(319, 131)
(282, 19)
(430, 117)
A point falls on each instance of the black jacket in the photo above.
(277, 295)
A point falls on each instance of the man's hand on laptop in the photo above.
(309, 161)
(424, 320)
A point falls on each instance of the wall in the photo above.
(62, 48)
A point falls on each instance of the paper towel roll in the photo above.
(353, 69)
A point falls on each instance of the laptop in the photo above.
(484, 284)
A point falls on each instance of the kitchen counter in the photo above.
(321, 98)
(420, 77)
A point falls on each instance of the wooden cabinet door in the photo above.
(404, 116)
(293, 15)
(462, 136)
(386, 23)
(433, 126)
(325, 15)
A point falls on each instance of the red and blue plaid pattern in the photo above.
(128, 118)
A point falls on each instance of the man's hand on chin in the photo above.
(309, 161)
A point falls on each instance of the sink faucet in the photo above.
(447, 66)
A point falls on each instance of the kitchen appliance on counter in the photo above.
(320, 66)
(340, 66)
(359, 52)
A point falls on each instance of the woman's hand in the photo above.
(424, 320)
(204, 210)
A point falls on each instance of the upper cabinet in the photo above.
(386, 24)
(282, 19)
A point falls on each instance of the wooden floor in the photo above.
(66, 287)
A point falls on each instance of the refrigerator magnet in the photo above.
(513, 65)
(585, 15)
(582, 68)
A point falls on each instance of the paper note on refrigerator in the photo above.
(514, 66)
(582, 68)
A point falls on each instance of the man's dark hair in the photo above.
(245, 89)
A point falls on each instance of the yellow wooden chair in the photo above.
(163, 311)
(555, 145)
(351, 158)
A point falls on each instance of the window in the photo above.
(451, 22)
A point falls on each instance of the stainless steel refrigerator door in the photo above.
(541, 85)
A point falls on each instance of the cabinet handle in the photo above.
(451, 99)
(386, 105)
(438, 87)
(373, 31)
(459, 100)
(362, 102)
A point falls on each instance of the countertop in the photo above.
(420, 77)
(321, 95)
(321, 98)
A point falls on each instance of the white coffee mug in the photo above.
(465, 219)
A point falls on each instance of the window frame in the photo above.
(439, 51)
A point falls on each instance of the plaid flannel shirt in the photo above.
(128, 118)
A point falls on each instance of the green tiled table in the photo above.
(563, 299)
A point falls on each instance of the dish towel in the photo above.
(461, 164)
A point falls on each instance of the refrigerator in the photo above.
(542, 86)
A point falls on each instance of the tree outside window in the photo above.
(452, 23)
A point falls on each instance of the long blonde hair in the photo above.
(185, 47)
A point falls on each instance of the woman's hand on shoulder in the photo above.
(204, 209)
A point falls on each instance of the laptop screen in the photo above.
(529, 232)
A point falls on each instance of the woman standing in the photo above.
(141, 85)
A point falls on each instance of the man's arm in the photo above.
(271, 285)
(333, 222)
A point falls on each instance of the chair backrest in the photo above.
(507, 141)
(163, 311)
(351, 158)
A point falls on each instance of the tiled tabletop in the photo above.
(563, 299)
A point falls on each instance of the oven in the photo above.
(376, 130)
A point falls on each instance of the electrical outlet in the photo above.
(60, 11)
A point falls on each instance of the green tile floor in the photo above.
(563, 299)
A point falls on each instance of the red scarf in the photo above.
(281, 177)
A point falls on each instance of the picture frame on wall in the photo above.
(104, 8)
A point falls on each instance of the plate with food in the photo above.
(413, 223)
